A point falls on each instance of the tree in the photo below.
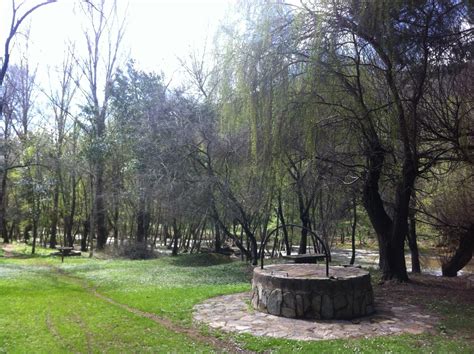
(61, 100)
(17, 18)
(103, 36)
(454, 218)
(142, 113)
(382, 56)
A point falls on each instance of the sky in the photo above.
(157, 31)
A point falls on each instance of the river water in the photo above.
(369, 258)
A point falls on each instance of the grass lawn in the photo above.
(47, 306)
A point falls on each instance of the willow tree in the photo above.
(376, 59)
(253, 96)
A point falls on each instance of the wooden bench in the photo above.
(305, 258)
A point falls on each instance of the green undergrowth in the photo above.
(458, 319)
(47, 307)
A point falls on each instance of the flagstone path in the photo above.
(233, 313)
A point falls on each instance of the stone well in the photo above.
(304, 291)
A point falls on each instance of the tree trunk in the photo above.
(254, 250)
(68, 238)
(201, 234)
(305, 221)
(10, 233)
(116, 225)
(69, 220)
(142, 213)
(283, 226)
(462, 256)
(35, 235)
(85, 234)
(390, 234)
(241, 238)
(165, 235)
(26, 233)
(353, 231)
(238, 243)
(176, 236)
(3, 207)
(217, 238)
(396, 256)
(92, 221)
(141, 229)
(100, 211)
(413, 244)
(54, 218)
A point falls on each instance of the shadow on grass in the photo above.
(22, 251)
(199, 260)
(22, 255)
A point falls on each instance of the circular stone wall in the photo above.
(304, 291)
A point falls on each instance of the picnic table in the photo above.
(305, 258)
(65, 251)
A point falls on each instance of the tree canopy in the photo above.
(306, 113)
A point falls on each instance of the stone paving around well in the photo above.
(233, 313)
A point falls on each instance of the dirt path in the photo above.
(8, 249)
(219, 344)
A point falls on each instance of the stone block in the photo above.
(289, 300)
(299, 306)
(274, 302)
(362, 306)
(369, 297)
(340, 301)
(327, 309)
(343, 314)
(254, 300)
(316, 303)
(263, 297)
(288, 312)
(369, 309)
